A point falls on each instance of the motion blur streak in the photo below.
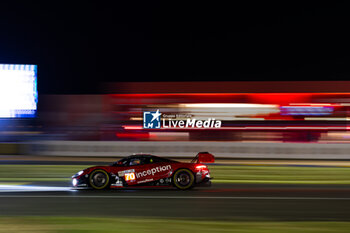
(31, 188)
(318, 116)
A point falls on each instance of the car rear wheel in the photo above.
(99, 179)
(183, 179)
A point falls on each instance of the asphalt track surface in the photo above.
(221, 201)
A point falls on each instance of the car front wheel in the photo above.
(99, 179)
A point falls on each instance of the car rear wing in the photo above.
(203, 157)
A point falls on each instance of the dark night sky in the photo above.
(79, 45)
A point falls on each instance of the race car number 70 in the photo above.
(129, 176)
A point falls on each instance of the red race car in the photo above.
(147, 170)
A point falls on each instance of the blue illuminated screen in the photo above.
(18, 90)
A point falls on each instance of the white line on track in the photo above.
(174, 197)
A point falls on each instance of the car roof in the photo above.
(149, 156)
(140, 155)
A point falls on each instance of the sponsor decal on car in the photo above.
(145, 181)
(153, 171)
(122, 173)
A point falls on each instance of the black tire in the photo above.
(183, 179)
(99, 179)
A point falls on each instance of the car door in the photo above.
(141, 170)
(133, 170)
(150, 170)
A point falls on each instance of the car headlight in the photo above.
(74, 182)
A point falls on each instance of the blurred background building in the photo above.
(249, 111)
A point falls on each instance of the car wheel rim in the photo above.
(99, 179)
(183, 179)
